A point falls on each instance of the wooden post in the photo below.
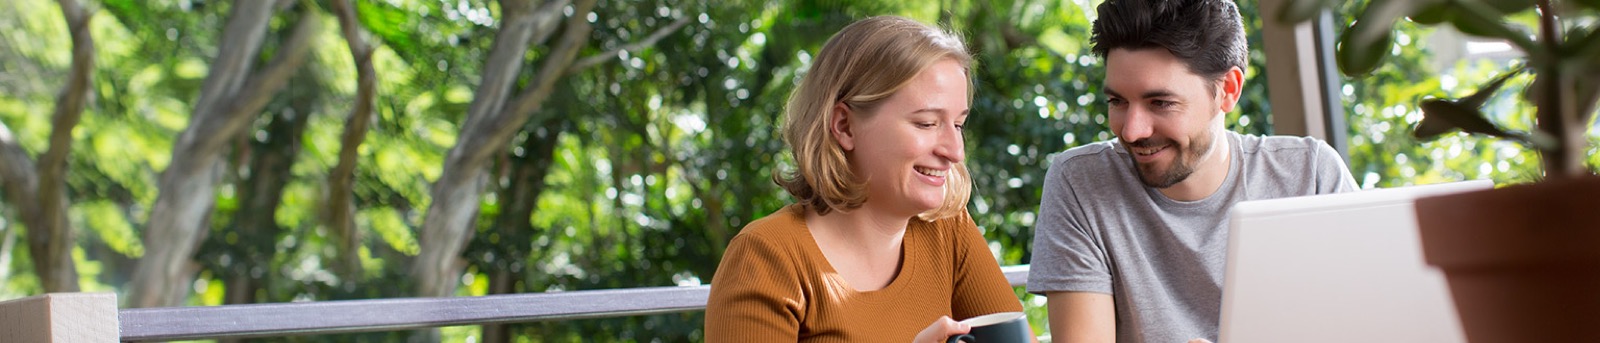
(60, 318)
(1306, 97)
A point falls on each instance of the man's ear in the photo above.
(1231, 87)
(839, 126)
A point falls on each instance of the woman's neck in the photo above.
(863, 227)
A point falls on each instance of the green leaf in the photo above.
(1592, 4)
(1476, 100)
(1431, 125)
(1485, 18)
(1298, 11)
(1358, 55)
(1440, 116)
(1473, 25)
(1508, 6)
(1543, 141)
(1432, 14)
(1363, 45)
(390, 25)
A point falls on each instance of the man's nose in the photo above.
(1136, 125)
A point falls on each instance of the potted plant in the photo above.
(1522, 261)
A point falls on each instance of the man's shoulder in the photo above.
(1278, 146)
(1085, 156)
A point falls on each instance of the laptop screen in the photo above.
(1336, 268)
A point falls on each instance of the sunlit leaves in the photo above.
(391, 228)
(110, 224)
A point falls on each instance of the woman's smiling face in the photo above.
(907, 148)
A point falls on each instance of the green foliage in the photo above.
(1368, 41)
(652, 162)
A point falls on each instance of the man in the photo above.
(1132, 232)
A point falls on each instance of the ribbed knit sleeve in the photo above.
(756, 295)
(980, 287)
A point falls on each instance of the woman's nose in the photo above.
(951, 145)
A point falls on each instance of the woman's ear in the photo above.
(839, 126)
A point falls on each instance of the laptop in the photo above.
(1336, 268)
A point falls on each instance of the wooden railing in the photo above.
(93, 317)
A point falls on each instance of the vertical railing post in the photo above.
(60, 318)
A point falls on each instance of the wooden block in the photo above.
(60, 318)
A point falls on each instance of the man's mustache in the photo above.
(1148, 143)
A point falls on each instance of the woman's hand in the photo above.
(940, 330)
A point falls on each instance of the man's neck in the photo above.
(1209, 175)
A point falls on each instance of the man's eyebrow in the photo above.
(1159, 93)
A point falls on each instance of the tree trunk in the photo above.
(262, 191)
(16, 177)
(527, 183)
(340, 215)
(489, 125)
(8, 239)
(50, 238)
(227, 102)
(39, 191)
(501, 282)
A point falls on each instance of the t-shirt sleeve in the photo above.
(980, 287)
(1332, 174)
(1067, 256)
(755, 296)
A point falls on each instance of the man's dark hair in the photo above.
(1207, 35)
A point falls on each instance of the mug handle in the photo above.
(962, 338)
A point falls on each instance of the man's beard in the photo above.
(1182, 166)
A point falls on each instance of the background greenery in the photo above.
(647, 164)
(1433, 62)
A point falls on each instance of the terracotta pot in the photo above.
(1523, 262)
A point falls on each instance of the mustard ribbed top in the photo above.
(775, 285)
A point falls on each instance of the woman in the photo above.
(879, 247)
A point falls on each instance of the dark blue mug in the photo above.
(1003, 327)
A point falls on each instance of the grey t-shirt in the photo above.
(1101, 230)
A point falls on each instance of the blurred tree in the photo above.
(40, 193)
(233, 94)
(339, 217)
(492, 120)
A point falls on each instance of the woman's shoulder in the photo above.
(782, 227)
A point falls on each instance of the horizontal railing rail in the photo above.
(347, 316)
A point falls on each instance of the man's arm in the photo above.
(1081, 317)
(1333, 176)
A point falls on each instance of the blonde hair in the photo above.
(861, 67)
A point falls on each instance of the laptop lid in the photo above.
(1342, 267)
